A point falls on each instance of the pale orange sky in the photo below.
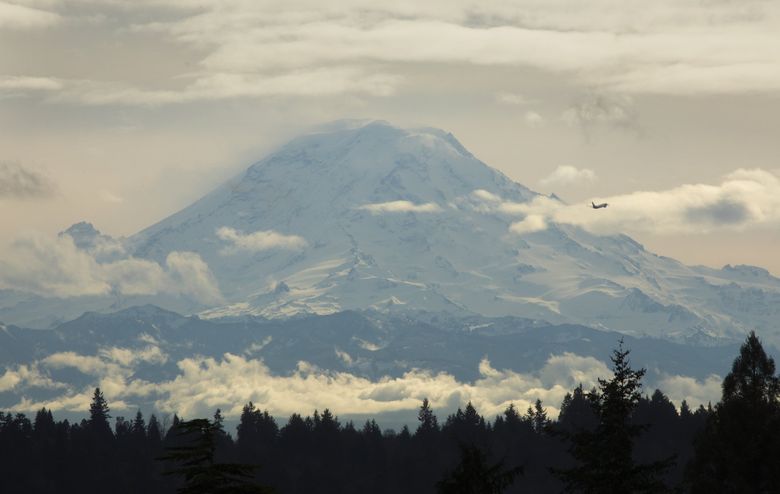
(130, 110)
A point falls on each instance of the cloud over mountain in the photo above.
(18, 182)
(56, 267)
(744, 199)
(257, 241)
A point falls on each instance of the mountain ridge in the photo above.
(370, 216)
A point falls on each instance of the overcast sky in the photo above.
(120, 113)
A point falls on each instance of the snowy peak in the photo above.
(84, 235)
(371, 216)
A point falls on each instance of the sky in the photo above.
(121, 113)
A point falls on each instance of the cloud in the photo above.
(17, 182)
(602, 110)
(566, 174)
(56, 267)
(533, 119)
(203, 384)
(265, 48)
(24, 83)
(695, 392)
(113, 370)
(401, 207)
(744, 199)
(486, 196)
(512, 99)
(220, 85)
(531, 223)
(206, 383)
(110, 197)
(13, 16)
(26, 376)
(258, 241)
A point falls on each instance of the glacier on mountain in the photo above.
(371, 216)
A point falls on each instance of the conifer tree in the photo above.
(605, 455)
(428, 422)
(198, 468)
(739, 449)
(99, 413)
(540, 420)
(474, 475)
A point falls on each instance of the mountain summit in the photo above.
(372, 216)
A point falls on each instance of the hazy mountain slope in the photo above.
(370, 216)
(444, 249)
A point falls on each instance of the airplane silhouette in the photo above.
(599, 206)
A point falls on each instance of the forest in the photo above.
(613, 438)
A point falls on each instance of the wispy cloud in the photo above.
(602, 110)
(219, 85)
(14, 16)
(258, 241)
(264, 48)
(401, 207)
(512, 99)
(566, 174)
(533, 119)
(25, 83)
(18, 182)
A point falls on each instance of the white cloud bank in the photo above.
(205, 383)
(401, 207)
(55, 267)
(258, 241)
(744, 199)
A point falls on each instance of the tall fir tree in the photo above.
(196, 465)
(739, 449)
(475, 475)
(99, 413)
(428, 422)
(605, 455)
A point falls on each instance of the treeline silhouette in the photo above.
(610, 439)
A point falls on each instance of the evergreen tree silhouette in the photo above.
(537, 417)
(198, 468)
(99, 414)
(605, 455)
(739, 449)
(474, 475)
(428, 422)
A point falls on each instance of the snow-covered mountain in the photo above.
(370, 216)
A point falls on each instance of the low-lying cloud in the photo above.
(401, 207)
(258, 241)
(744, 199)
(56, 267)
(206, 383)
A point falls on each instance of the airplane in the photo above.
(599, 206)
